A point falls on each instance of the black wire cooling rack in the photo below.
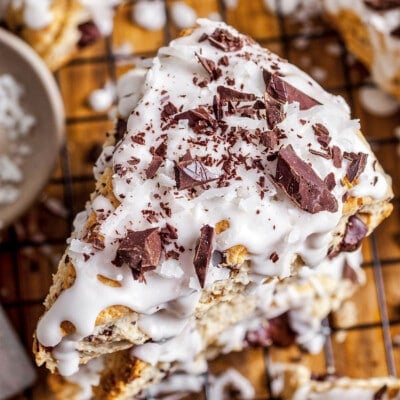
(29, 249)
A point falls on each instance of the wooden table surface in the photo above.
(30, 249)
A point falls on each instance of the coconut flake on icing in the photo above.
(261, 217)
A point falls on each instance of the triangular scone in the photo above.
(292, 314)
(230, 166)
(293, 381)
(57, 28)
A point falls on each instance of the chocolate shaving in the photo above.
(284, 92)
(168, 110)
(354, 233)
(274, 257)
(153, 166)
(120, 129)
(300, 182)
(378, 395)
(190, 173)
(203, 251)
(140, 250)
(330, 181)
(225, 41)
(274, 111)
(199, 119)
(210, 67)
(382, 5)
(228, 94)
(270, 139)
(89, 34)
(322, 134)
(356, 167)
(337, 156)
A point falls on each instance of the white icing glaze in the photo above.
(264, 224)
(149, 14)
(183, 15)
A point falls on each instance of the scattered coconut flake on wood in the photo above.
(183, 15)
(15, 127)
(103, 98)
(377, 102)
(149, 15)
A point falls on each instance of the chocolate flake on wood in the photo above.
(89, 34)
(300, 182)
(225, 41)
(356, 166)
(140, 250)
(284, 92)
(190, 173)
(203, 251)
(379, 394)
(355, 232)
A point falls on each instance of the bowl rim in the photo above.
(52, 92)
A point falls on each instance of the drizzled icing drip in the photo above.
(204, 98)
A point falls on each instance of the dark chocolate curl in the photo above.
(300, 182)
(203, 251)
(284, 92)
(354, 234)
(153, 166)
(140, 250)
(356, 166)
(225, 41)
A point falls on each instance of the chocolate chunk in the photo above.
(356, 167)
(89, 34)
(379, 395)
(120, 129)
(381, 5)
(277, 332)
(153, 166)
(199, 119)
(210, 67)
(300, 182)
(203, 251)
(228, 94)
(284, 92)
(396, 32)
(349, 273)
(322, 134)
(274, 111)
(168, 110)
(330, 181)
(190, 173)
(355, 232)
(337, 156)
(224, 40)
(140, 250)
(270, 139)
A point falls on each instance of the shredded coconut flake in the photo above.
(15, 126)
(149, 14)
(103, 98)
(183, 15)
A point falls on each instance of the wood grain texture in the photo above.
(29, 251)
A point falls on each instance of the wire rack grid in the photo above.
(30, 248)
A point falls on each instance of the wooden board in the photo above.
(30, 249)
